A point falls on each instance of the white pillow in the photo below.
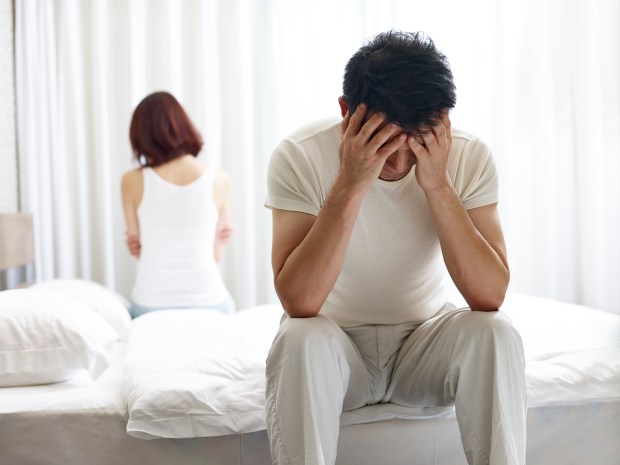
(46, 337)
(196, 373)
(109, 304)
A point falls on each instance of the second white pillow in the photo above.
(48, 338)
(109, 304)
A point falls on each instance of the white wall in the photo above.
(8, 155)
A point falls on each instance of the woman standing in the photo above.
(177, 213)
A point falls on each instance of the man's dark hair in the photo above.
(403, 75)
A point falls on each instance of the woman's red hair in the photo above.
(160, 131)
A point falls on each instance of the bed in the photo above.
(186, 388)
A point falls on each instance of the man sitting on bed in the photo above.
(363, 212)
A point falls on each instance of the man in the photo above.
(363, 212)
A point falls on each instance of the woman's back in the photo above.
(181, 171)
(178, 216)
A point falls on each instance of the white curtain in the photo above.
(538, 80)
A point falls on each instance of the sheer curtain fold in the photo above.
(536, 80)
(33, 80)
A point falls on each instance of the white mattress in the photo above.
(573, 372)
(563, 435)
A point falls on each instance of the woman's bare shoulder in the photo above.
(133, 174)
(222, 187)
(131, 181)
(222, 178)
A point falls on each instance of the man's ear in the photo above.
(343, 106)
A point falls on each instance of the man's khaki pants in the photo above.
(316, 370)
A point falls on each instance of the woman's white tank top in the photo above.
(177, 267)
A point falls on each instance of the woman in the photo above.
(176, 212)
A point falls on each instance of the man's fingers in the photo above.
(416, 147)
(392, 146)
(445, 119)
(430, 138)
(344, 124)
(356, 120)
(372, 126)
(384, 135)
(441, 132)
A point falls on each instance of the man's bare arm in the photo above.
(473, 249)
(308, 252)
(472, 243)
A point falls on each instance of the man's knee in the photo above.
(306, 330)
(299, 337)
(489, 327)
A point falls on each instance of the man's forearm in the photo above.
(311, 270)
(478, 271)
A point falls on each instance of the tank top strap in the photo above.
(147, 184)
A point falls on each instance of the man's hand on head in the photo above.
(367, 141)
(431, 150)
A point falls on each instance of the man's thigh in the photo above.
(317, 350)
(421, 373)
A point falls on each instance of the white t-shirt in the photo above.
(177, 266)
(393, 271)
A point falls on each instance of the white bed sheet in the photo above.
(572, 419)
(198, 373)
(79, 394)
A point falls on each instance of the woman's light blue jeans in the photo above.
(228, 307)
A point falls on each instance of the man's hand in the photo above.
(431, 151)
(365, 146)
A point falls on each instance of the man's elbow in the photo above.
(299, 306)
(488, 302)
(297, 301)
